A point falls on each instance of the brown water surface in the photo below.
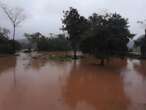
(31, 83)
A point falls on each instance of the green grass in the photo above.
(60, 58)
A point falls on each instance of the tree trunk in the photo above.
(14, 30)
(102, 62)
(75, 54)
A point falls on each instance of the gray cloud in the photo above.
(45, 15)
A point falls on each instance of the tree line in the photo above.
(103, 36)
(40, 42)
(6, 44)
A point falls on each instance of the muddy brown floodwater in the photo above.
(28, 83)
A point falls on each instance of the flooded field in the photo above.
(30, 83)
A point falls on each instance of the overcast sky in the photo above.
(45, 15)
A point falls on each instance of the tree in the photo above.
(42, 43)
(61, 43)
(16, 16)
(107, 36)
(73, 24)
(5, 42)
(33, 39)
(119, 34)
(4, 32)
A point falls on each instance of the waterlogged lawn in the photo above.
(60, 58)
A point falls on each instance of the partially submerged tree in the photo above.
(5, 42)
(74, 24)
(15, 16)
(107, 36)
(42, 43)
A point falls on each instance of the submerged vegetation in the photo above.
(103, 36)
(87, 66)
(100, 35)
(42, 43)
(15, 16)
(6, 44)
(60, 58)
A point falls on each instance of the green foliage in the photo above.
(60, 58)
(100, 35)
(42, 43)
(6, 44)
(107, 36)
(75, 25)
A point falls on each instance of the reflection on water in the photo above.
(90, 87)
(34, 83)
(7, 63)
(135, 86)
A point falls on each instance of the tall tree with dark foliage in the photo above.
(107, 36)
(74, 24)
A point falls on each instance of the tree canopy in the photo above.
(101, 35)
(107, 35)
(75, 25)
(5, 43)
(42, 43)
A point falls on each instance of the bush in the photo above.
(59, 43)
